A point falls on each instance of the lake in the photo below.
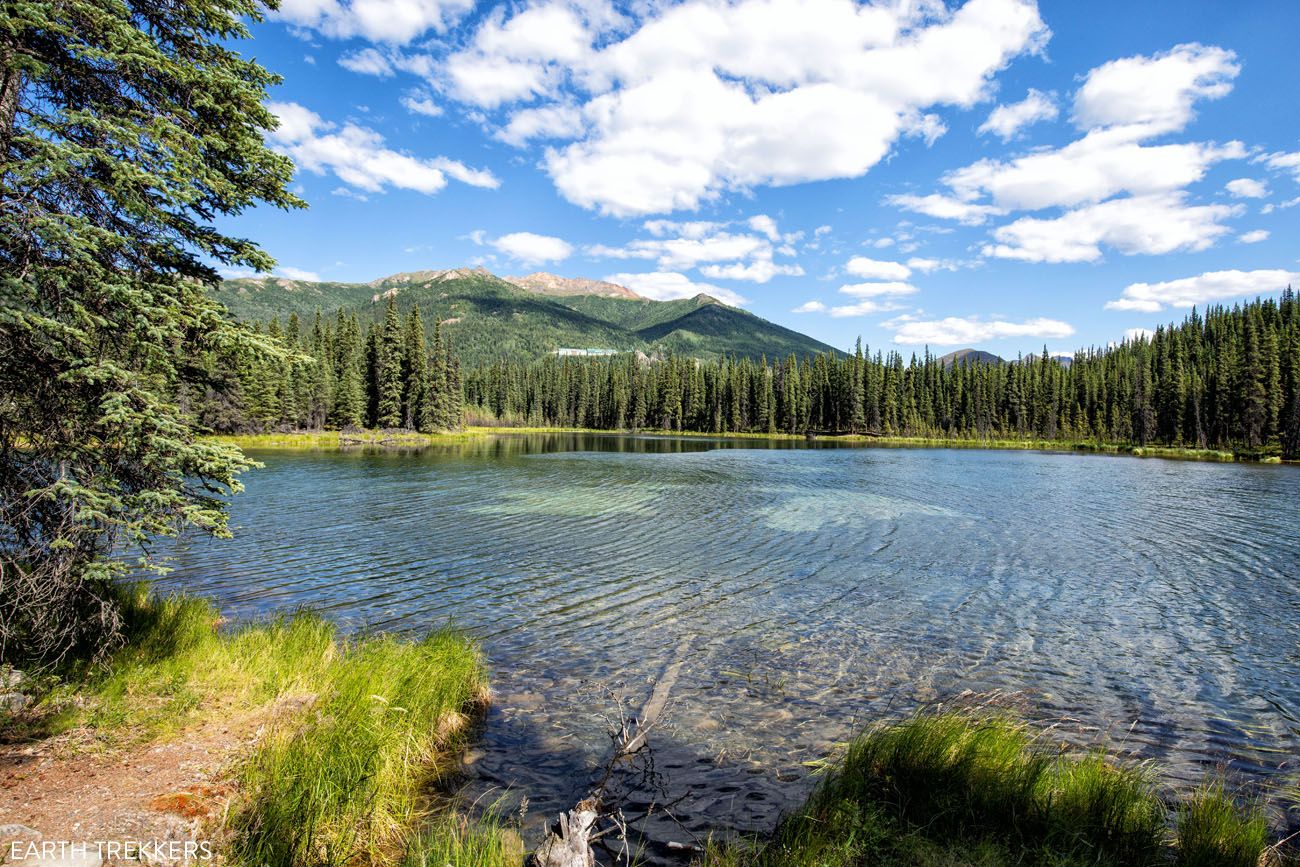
(798, 592)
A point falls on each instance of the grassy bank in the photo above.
(964, 790)
(328, 440)
(355, 731)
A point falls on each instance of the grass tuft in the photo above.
(979, 790)
(1213, 831)
(353, 729)
(344, 784)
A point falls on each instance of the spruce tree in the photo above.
(124, 130)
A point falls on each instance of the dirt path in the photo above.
(67, 788)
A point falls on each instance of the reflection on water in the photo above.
(810, 589)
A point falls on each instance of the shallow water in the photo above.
(1148, 604)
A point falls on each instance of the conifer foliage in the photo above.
(336, 375)
(1228, 379)
(125, 127)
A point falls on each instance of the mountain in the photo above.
(552, 284)
(488, 317)
(970, 356)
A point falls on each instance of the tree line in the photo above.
(335, 374)
(1229, 378)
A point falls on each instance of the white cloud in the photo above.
(389, 21)
(357, 156)
(877, 269)
(1138, 334)
(927, 265)
(668, 285)
(689, 229)
(1140, 224)
(954, 330)
(367, 61)
(1113, 188)
(1155, 92)
(691, 249)
(1253, 237)
(1007, 120)
(1201, 289)
(418, 102)
(1102, 164)
(873, 290)
(550, 122)
(700, 98)
(1246, 188)
(882, 243)
(1289, 162)
(863, 308)
(764, 225)
(533, 249)
(758, 271)
(810, 307)
(292, 273)
(946, 208)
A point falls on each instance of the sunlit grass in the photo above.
(353, 730)
(965, 789)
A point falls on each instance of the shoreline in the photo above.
(327, 440)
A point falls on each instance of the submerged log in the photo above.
(570, 845)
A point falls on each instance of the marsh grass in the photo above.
(1213, 831)
(343, 785)
(967, 789)
(352, 731)
(452, 838)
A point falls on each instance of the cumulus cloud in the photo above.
(1253, 237)
(873, 290)
(1289, 162)
(946, 208)
(1102, 164)
(292, 273)
(533, 249)
(367, 61)
(758, 271)
(810, 307)
(955, 330)
(682, 103)
(764, 225)
(390, 21)
(863, 308)
(1246, 188)
(1111, 186)
(358, 156)
(877, 269)
(549, 122)
(418, 102)
(1201, 289)
(668, 285)
(1156, 92)
(1141, 224)
(1006, 121)
(1138, 334)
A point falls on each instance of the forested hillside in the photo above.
(1227, 379)
(486, 318)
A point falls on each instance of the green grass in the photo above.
(328, 440)
(354, 730)
(344, 784)
(1213, 831)
(964, 789)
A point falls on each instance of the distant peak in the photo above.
(543, 283)
(430, 276)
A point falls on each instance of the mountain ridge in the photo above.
(487, 317)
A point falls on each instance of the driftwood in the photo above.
(569, 844)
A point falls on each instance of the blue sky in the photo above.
(993, 173)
